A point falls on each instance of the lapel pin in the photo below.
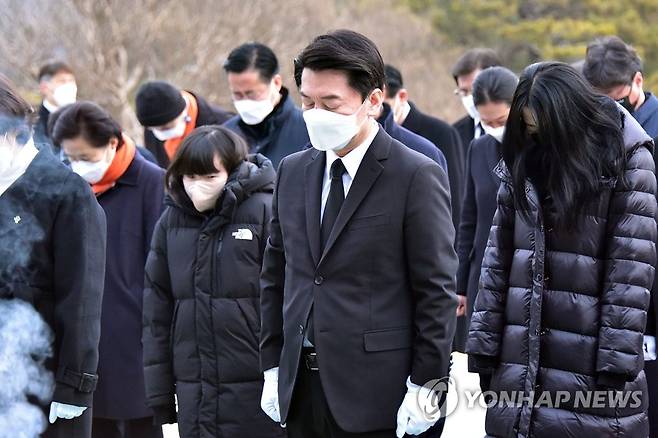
(17, 219)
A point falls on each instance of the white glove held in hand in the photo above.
(413, 415)
(269, 401)
(67, 412)
(649, 348)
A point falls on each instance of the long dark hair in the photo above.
(578, 142)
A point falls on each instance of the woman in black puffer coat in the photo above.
(201, 303)
(565, 280)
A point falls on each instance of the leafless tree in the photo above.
(115, 45)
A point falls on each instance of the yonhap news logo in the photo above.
(440, 398)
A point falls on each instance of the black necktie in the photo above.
(331, 210)
(334, 201)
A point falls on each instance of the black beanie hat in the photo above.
(158, 103)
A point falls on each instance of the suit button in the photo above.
(318, 280)
(301, 329)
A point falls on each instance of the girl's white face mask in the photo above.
(496, 133)
(331, 131)
(204, 191)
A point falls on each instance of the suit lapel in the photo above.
(313, 176)
(368, 172)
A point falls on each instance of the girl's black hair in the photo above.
(196, 156)
(578, 143)
(494, 84)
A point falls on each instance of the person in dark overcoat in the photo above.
(441, 134)
(52, 255)
(131, 192)
(562, 306)
(493, 91)
(268, 119)
(201, 304)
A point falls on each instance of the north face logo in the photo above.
(243, 234)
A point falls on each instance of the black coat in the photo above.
(565, 310)
(410, 139)
(201, 310)
(466, 129)
(132, 207)
(447, 139)
(41, 126)
(208, 115)
(382, 290)
(478, 208)
(52, 255)
(282, 133)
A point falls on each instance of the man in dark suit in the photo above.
(357, 289)
(409, 139)
(464, 72)
(444, 136)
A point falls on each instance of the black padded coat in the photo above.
(566, 311)
(201, 310)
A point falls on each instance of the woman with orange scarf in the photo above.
(131, 192)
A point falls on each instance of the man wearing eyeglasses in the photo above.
(464, 72)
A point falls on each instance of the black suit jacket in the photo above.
(447, 139)
(466, 129)
(477, 214)
(382, 290)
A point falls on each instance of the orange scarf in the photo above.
(124, 156)
(171, 146)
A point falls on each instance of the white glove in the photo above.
(269, 401)
(67, 412)
(649, 348)
(418, 411)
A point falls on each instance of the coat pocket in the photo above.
(250, 314)
(368, 221)
(388, 339)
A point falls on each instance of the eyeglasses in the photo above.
(461, 93)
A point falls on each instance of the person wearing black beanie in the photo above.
(169, 114)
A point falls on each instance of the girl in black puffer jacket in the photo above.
(564, 288)
(201, 303)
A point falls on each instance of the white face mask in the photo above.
(469, 105)
(8, 150)
(93, 172)
(175, 132)
(205, 192)
(496, 133)
(331, 131)
(252, 112)
(65, 94)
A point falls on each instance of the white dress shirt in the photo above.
(351, 161)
